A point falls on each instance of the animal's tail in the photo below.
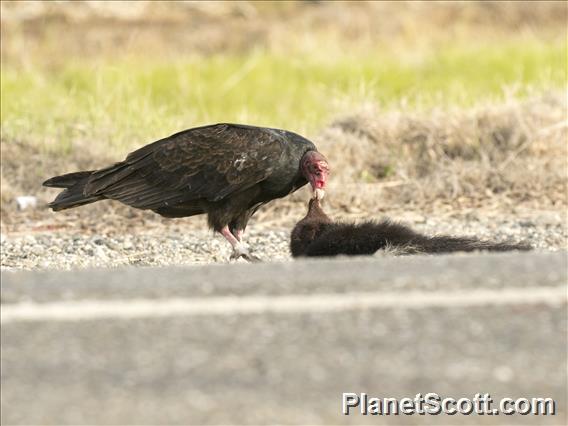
(443, 244)
(73, 195)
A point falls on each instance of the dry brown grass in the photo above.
(513, 153)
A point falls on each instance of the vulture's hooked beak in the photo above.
(319, 193)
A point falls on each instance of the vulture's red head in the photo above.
(316, 170)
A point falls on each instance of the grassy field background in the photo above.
(419, 106)
(126, 102)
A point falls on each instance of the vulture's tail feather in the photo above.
(73, 195)
(68, 180)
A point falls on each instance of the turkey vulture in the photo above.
(225, 170)
(317, 235)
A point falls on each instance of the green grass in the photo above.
(122, 104)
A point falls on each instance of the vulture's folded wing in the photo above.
(210, 162)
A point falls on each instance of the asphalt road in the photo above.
(280, 343)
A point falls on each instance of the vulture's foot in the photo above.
(242, 251)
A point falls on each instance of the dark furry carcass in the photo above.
(317, 235)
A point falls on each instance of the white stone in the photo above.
(26, 201)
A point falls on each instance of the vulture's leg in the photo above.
(240, 249)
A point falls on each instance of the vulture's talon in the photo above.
(246, 256)
(253, 258)
(241, 250)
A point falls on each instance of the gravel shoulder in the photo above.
(187, 243)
